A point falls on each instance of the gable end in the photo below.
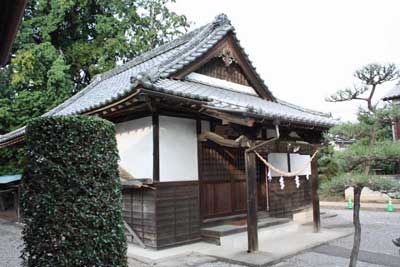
(217, 68)
(208, 64)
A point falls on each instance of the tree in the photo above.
(370, 145)
(358, 182)
(328, 165)
(369, 78)
(62, 45)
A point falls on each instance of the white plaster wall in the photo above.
(298, 161)
(278, 160)
(135, 146)
(178, 149)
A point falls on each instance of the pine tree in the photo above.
(370, 145)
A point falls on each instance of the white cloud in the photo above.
(306, 50)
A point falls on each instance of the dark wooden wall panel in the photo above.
(290, 199)
(239, 190)
(165, 216)
(222, 198)
(178, 219)
(138, 210)
(217, 69)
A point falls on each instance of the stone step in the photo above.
(213, 234)
(232, 218)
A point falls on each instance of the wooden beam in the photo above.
(251, 182)
(156, 147)
(228, 118)
(314, 193)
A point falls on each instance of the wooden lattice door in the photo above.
(223, 181)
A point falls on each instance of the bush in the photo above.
(328, 165)
(337, 185)
(71, 196)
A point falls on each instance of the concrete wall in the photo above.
(135, 146)
(178, 149)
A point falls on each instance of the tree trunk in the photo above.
(357, 226)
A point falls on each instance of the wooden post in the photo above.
(251, 182)
(314, 194)
(18, 203)
(156, 147)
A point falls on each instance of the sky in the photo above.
(306, 50)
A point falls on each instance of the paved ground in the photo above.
(379, 228)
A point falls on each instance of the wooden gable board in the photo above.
(228, 42)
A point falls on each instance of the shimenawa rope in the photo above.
(283, 173)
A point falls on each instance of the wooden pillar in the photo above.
(16, 202)
(156, 147)
(199, 167)
(314, 194)
(251, 182)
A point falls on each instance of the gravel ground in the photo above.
(189, 260)
(312, 259)
(378, 229)
(10, 245)
(217, 263)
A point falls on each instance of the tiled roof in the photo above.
(393, 93)
(157, 65)
(232, 101)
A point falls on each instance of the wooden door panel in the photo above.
(222, 196)
(207, 199)
(239, 191)
(223, 181)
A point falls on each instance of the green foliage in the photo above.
(70, 194)
(373, 145)
(62, 44)
(328, 165)
(93, 36)
(358, 154)
(377, 183)
(15, 156)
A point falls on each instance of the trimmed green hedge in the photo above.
(70, 194)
